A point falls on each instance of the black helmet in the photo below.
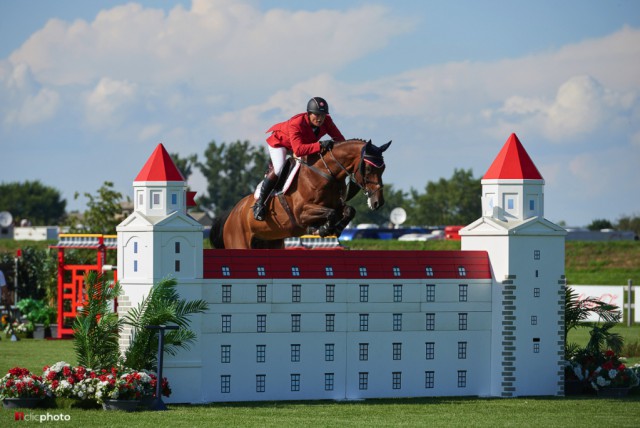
(317, 105)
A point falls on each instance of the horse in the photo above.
(314, 203)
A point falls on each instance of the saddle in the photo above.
(285, 178)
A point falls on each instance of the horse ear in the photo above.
(385, 146)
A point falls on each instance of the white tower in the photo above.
(159, 239)
(527, 257)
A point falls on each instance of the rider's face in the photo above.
(317, 119)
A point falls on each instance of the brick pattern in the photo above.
(508, 336)
(124, 304)
(562, 285)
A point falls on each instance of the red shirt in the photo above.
(296, 134)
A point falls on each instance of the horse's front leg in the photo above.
(317, 216)
(348, 213)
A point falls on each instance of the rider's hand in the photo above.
(326, 144)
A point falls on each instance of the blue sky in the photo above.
(89, 89)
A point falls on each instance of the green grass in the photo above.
(631, 337)
(584, 411)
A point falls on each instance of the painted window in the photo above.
(396, 271)
(363, 353)
(135, 247)
(296, 291)
(431, 292)
(295, 271)
(295, 353)
(177, 266)
(363, 271)
(462, 350)
(226, 271)
(397, 292)
(155, 199)
(397, 380)
(462, 321)
(261, 271)
(261, 382)
(330, 292)
(329, 349)
(534, 320)
(397, 322)
(330, 320)
(462, 271)
(364, 293)
(536, 348)
(397, 351)
(295, 322)
(536, 292)
(174, 198)
(532, 205)
(463, 290)
(462, 378)
(429, 271)
(225, 384)
(328, 271)
(295, 382)
(363, 380)
(261, 353)
(261, 293)
(429, 378)
(328, 381)
(177, 247)
(225, 354)
(536, 254)
(364, 322)
(226, 323)
(135, 266)
(261, 323)
(430, 350)
(226, 294)
(431, 321)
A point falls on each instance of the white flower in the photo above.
(602, 381)
(612, 373)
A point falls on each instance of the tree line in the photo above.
(233, 170)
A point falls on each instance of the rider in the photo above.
(300, 134)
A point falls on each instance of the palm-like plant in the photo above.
(161, 306)
(96, 329)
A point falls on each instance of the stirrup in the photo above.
(259, 211)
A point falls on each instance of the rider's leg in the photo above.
(278, 157)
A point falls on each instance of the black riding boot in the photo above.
(259, 209)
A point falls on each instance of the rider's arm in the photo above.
(303, 141)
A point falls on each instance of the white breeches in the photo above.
(278, 157)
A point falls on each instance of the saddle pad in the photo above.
(286, 185)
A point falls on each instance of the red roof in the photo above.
(513, 161)
(160, 167)
(313, 264)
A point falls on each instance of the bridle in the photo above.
(373, 160)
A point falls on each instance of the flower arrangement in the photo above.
(612, 373)
(72, 382)
(18, 328)
(115, 386)
(21, 383)
(149, 387)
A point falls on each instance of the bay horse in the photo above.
(315, 202)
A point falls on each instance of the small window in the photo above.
(431, 292)
(536, 273)
(135, 247)
(397, 322)
(226, 271)
(296, 291)
(363, 271)
(295, 271)
(536, 348)
(226, 323)
(295, 382)
(261, 323)
(462, 378)
(329, 351)
(260, 382)
(156, 199)
(463, 291)
(462, 271)
(328, 271)
(177, 266)
(261, 353)
(429, 271)
(397, 292)
(532, 205)
(174, 198)
(429, 377)
(330, 320)
(462, 321)
(462, 350)
(534, 320)
(177, 247)
(330, 292)
(431, 321)
(140, 199)
(225, 354)
(226, 294)
(397, 380)
(397, 351)
(363, 380)
(261, 296)
(510, 203)
(536, 254)
(536, 292)
(295, 353)
(364, 352)
(364, 322)
(225, 384)
(295, 323)
(364, 293)
(430, 350)
(261, 271)
(396, 271)
(135, 266)
(328, 381)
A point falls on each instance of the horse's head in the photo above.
(370, 169)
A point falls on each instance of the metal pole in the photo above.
(158, 404)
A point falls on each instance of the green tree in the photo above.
(599, 224)
(103, 212)
(185, 165)
(232, 171)
(40, 204)
(629, 223)
(447, 202)
(392, 199)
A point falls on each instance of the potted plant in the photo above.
(40, 314)
(71, 386)
(119, 391)
(612, 378)
(20, 388)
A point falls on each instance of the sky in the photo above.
(88, 89)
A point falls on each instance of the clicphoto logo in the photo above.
(41, 417)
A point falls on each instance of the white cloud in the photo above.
(106, 103)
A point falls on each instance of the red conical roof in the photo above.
(160, 167)
(513, 162)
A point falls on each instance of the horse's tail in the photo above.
(217, 228)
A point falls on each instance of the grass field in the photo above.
(585, 411)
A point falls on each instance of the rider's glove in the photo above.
(326, 144)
